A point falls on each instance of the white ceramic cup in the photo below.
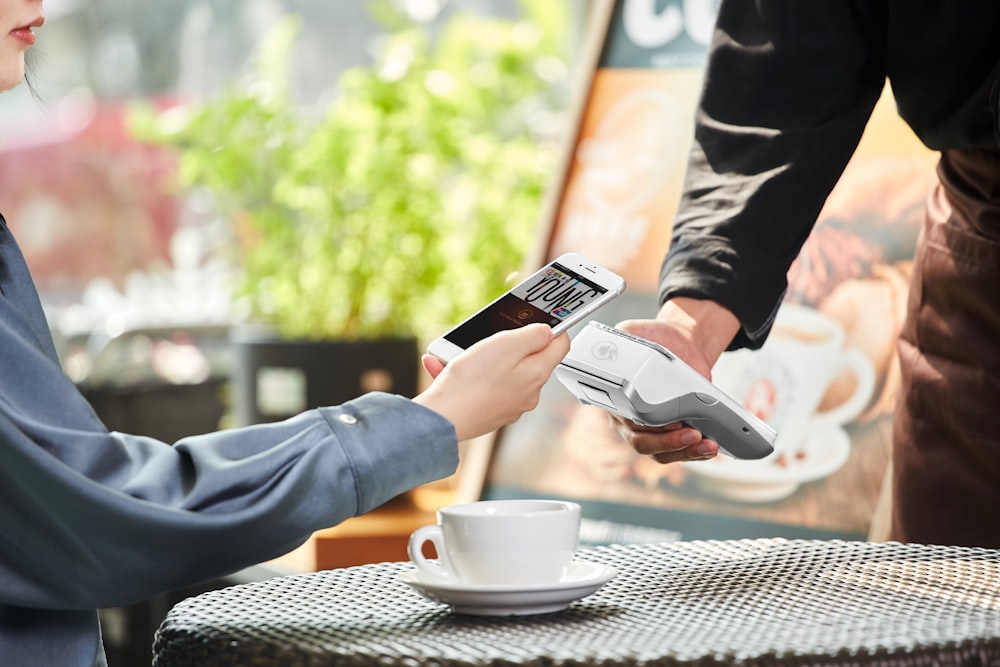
(500, 542)
(784, 381)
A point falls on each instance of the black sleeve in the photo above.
(789, 87)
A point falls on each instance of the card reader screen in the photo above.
(549, 296)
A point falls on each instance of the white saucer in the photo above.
(820, 454)
(581, 579)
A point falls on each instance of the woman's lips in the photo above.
(25, 35)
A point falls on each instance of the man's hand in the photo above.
(697, 332)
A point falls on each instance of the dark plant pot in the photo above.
(164, 411)
(274, 379)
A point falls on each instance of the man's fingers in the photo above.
(669, 428)
(667, 444)
(678, 456)
(648, 441)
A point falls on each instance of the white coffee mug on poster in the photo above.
(785, 380)
(500, 542)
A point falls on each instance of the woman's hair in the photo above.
(29, 58)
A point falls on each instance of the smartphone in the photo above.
(560, 294)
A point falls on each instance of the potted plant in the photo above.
(373, 224)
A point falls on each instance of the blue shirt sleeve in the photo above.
(91, 518)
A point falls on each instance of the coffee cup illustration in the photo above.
(784, 381)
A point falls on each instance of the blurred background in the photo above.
(171, 164)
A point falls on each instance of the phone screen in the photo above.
(549, 296)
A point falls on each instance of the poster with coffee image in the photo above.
(825, 380)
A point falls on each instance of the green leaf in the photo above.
(406, 204)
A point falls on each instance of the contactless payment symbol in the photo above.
(605, 351)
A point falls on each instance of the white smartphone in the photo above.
(560, 294)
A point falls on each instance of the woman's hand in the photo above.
(495, 381)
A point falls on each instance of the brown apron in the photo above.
(946, 440)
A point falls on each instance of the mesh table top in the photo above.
(747, 602)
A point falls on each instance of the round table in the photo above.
(738, 602)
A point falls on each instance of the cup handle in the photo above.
(443, 568)
(858, 363)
